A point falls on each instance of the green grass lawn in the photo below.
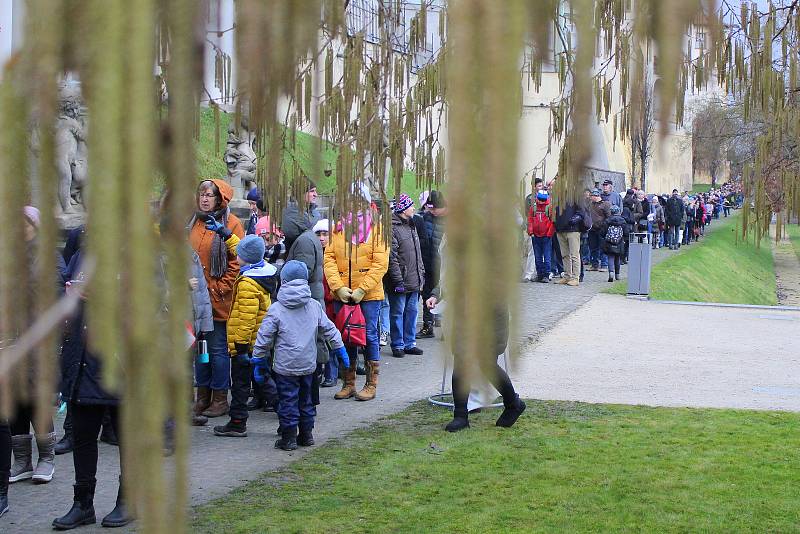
(565, 467)
(210, 164)
(794, 234)
(700, 188)
(716, 269)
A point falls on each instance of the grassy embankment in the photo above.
(210, 164)
(719, 268)
(565, 467)
(794, 234)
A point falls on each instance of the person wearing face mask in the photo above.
(214, 233)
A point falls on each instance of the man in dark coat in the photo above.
(406, 277)
(430, 241)
(294, 222)
(673, 213)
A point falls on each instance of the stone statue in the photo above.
(240, 158)
(70, 147)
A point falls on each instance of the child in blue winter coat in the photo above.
(290, 330)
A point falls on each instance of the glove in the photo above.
(399, 289)
(216, 226)
(341, 354)
(358, 295)
(260, 370)
(344, 294)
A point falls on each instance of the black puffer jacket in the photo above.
(572, 218)
(430, 240)
(406, 268)
(673, 212)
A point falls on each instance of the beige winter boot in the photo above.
(349, 386)
(371, 387)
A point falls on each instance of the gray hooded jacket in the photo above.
(290, 328)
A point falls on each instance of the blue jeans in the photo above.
(371, 310)
(542, 250)
(295, 407)
(385, 323)
(217, 373)
(404, 319)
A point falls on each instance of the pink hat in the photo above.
(264, 226)
(32, 214)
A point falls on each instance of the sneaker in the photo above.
(328, 383)
(234, 428)
(550, 276)
(610, 278)
(384, 340)
(305, 438)
(255, 404)
(572, 283)
(562, 281)
(426, 332)
(414, 351)
(544, 279)
(398, 353)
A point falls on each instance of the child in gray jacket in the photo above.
(290, 330)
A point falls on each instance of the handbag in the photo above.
(350, 321)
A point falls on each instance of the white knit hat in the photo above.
(321, 226)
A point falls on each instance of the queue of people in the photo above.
(561, 242)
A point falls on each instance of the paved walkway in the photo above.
(787, 270)
(667, 355)
(218, 465)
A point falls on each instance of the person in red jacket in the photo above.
(541, 230)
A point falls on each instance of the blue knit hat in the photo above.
(294, 270)
(251, 249)
(615, 210)
(403, 203)
(254, 195)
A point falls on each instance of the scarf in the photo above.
(244, 268)
(219, 252)
(362, 227)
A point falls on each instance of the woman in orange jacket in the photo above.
(211, 227)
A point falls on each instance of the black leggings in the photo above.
(5, 451)
(86, 422)
(24, 418)
(496, 375)
(613, 264)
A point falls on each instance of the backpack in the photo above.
(614, 235)
(539, 223)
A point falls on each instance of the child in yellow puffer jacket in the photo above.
(250, 304)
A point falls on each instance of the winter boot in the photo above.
(119, 516)
(511, 413)
(371, 387)
(288, 441)
(349, 385)
(459, 422)
(426, 332)
(65, 444)
(3, 492)
(202, 400)
(219, 404)
(235, 428)
(46, 465)
(22, 469)
(82, 511)
(306, 437)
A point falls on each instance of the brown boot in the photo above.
(219, 404)
(349, 386)
(202, 400)
(371, 387)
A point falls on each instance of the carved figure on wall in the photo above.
(240, 157)
(70, 147)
